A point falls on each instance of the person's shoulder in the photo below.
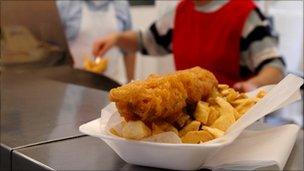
(65, 5)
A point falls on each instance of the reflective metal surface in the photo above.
(35, 110)
(88, 153)
(83, 153)
(67, 74)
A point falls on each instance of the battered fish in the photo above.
(163, 97)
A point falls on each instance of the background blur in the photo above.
(42, 20)
(287, 18)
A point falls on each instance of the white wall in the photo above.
(288, 20)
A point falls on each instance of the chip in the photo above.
(227, 113)
(223, 86)
(183, 120)
(214, 94)
(225, 107)
(135, 130)
(244, 106)
(156, 129)
(117, 129)
(214, 131)
(213, 115)
(223, 122)
(97, 66)
(162, 126)
(192, 126)
(230, 94)
(195, 137)
(261, 94)
(202, 112)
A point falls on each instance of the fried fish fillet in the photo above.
(162, 97)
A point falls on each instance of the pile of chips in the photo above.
(210, 119)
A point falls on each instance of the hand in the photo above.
(245, 86)
(101, 46)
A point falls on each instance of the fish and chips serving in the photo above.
(189, 103)
(186, 120)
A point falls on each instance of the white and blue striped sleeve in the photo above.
(157, 39)
(259, 45)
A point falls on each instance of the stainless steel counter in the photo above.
(83, 153)
(88, 153)
(36, 109)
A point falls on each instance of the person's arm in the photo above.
(156, 40)
(127, 41)
(122, 11)
(259, 54)
(268, 75)
(130, 60)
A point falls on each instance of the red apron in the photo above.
(211, 40)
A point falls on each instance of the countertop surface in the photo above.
(36, 109)
(88, 153)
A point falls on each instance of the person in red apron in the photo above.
(232, 39)
(83, 21)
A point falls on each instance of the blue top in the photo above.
(70, 14)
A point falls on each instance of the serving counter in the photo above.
(38, 108)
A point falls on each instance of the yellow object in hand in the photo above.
(98, 66)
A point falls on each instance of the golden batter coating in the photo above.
(163, 97)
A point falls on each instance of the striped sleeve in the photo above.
(259, 45)
(157, 39)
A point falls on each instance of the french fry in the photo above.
(183, 120)
(223, 86)
(226, 92)
(96, 67)
(195, 137)
(214, 93)
(193, 126)
(214, 131)
(156, 129)
(238, 102)
(213, 115)
(117, 129)
(202, 112)
(225, 107)
(261, 94)
(227, 117)
(242, 96)
(135, 130)
(223, 122)
(233, 95)
(245, 106)
(162, 126)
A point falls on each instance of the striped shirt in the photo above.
(258, 42)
